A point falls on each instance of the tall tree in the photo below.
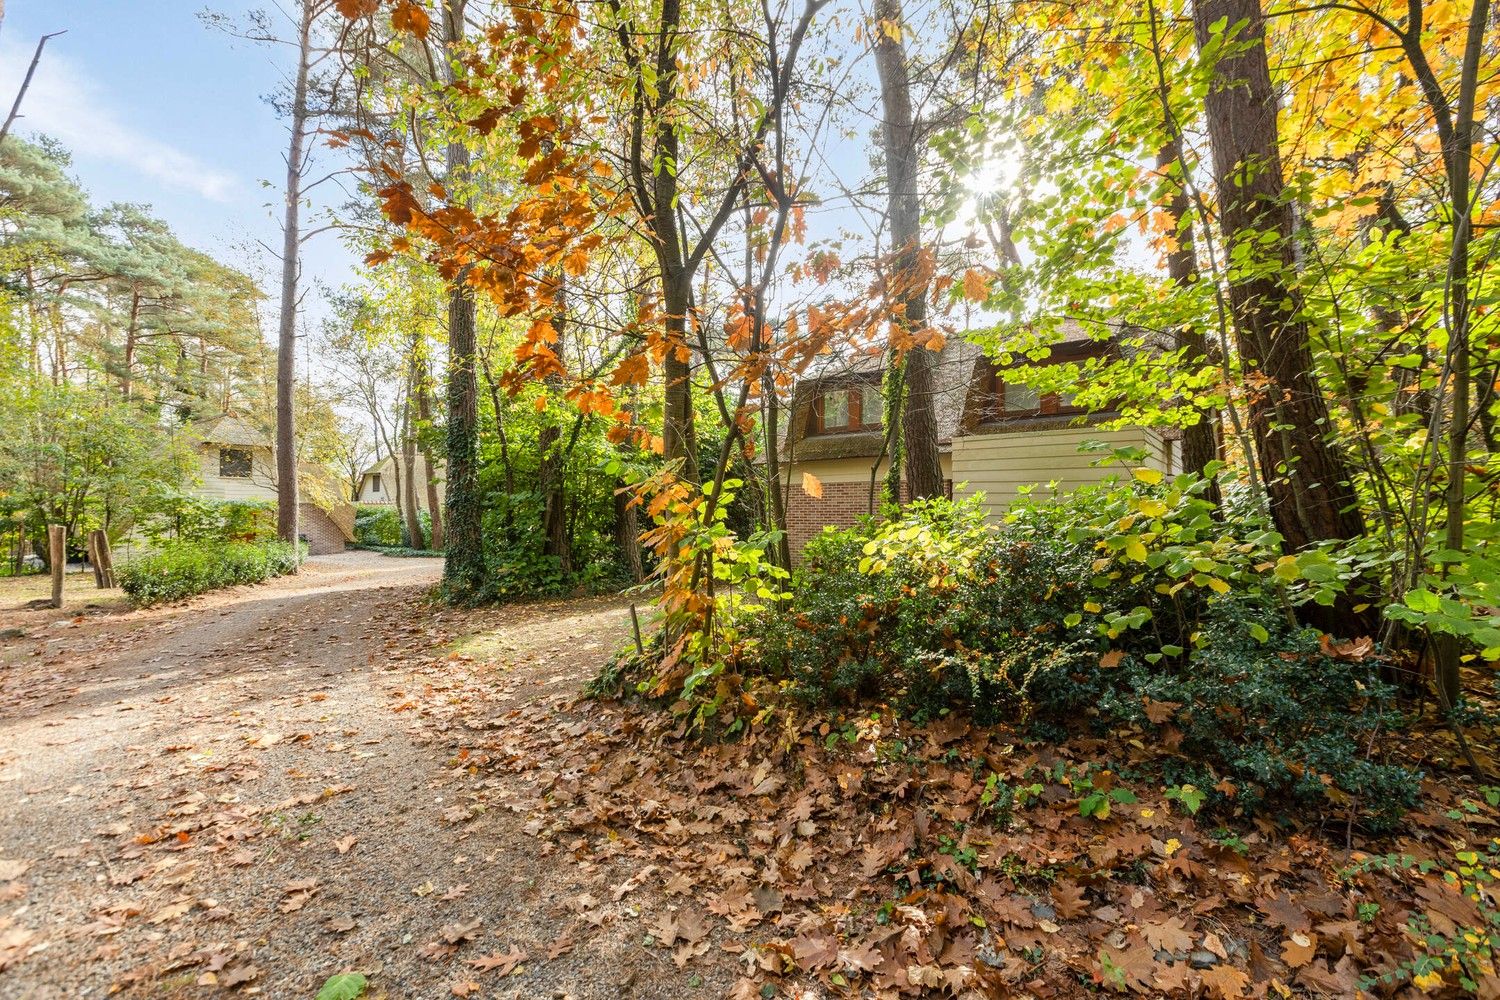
(291, 245)
(903, 156)
(1306, 479)
(463, 558)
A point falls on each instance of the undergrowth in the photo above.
(1135, 612)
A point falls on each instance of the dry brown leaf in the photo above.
(1299, 949)
(501, 963)
(1167, 935)
(1225, 981)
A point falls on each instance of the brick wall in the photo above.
(840, 506)
(323, 536)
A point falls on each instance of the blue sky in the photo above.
(159, 108)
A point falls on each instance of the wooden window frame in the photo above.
(855, 392)
(375, 483)
(1049, 404)
(226, 453)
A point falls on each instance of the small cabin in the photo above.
(236, 461)
(378, 483)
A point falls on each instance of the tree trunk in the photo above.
(410, 511)
(1306, 479)
(775, 507)
(1458, 157)
(1200, 442)
(463, 559)
(286, 337)
(551, 460)
(131, 331)
(424, 416)
(924, 470)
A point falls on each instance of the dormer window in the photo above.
(234, 463)
(1011, 400)
(848, 409)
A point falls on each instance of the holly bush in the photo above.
(1114, 608)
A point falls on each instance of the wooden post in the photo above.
(635, 624)
(92, 546)
(104, 561)
(57, 552)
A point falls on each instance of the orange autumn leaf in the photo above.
(412, 19)
(812, 485)
(634, 370)
(353, 9)
(976, 285)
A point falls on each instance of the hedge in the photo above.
(182, 569)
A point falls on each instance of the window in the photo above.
(845, 410)
(1011, 400)
(375, 482)
(1015, 398)
(234, 463)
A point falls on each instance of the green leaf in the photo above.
(1187, 796)
(1259, 633)
(344, 986)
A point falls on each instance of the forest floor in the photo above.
(252, 791)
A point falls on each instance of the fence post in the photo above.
(104, 560)
(57, 551)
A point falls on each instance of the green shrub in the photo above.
(402, 551)
(1114, 607)
(197, 519)
(376, 524)
(183, 569)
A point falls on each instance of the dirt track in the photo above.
(232, 794)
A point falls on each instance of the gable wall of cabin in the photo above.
(261, 484)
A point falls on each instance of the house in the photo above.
(236, 462)
(377, 484)
(994, 437)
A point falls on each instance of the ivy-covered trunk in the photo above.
(924, 470)
(463, 557)
(1200, 444)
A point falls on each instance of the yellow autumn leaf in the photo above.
(1427, 982)
(1135, 550)
(1148, 476)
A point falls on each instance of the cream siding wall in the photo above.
(260, 485)
(387, 491)
(998, 465)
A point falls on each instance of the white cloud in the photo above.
(66, 103)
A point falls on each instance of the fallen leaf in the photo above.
(497, 962)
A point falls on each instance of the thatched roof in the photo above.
(231, 430)
(957, 375)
